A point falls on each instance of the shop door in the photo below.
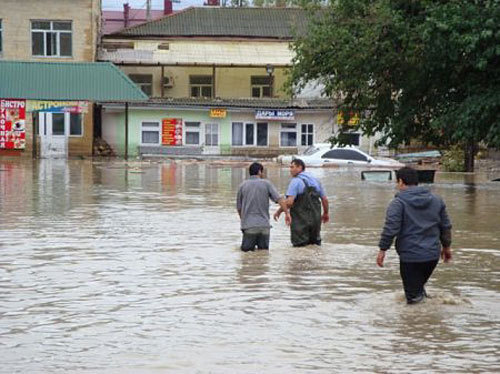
(53, 130)
(211, 139)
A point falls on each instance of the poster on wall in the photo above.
(171, 131)
(12, 124)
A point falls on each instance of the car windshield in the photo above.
(311, 150)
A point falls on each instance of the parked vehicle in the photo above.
(324, 155)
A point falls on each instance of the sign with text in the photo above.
(353, 119)
(57, 106)
(275, 114)
(12, 124)
(218, 113)
(171, 131)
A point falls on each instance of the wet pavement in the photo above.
(109, 268)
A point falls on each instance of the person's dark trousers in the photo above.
(255, 237)
(415, 275)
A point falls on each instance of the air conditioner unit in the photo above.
(168, 81)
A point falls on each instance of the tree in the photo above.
(426, 70)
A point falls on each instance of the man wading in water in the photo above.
(419, 221)
(252, 204)
(304, 197)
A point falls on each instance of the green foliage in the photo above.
(426, 70)
(453, 159)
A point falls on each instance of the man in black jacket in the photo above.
(420, 223)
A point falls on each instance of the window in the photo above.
(288, 135)
(350, 138)
(211, 134)
(249, 135)
(307, 134)
(75, 124)
(57, 123)
(192, 133)
(345, 154)
(261, 86)
(144, 81)
(51, 38)
(200, 85)
(0, 36)
(150, 133)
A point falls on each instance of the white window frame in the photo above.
(141, 85)
(307, 133)
(260, 86)
(289, 130)
(82, 122)
(157, 129)
(244, 140)
(200, 86)
(187, 128)
(207, 127)
(58, 38)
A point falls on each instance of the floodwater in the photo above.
(116, 268)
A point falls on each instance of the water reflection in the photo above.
(135, 267)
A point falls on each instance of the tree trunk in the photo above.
(470, 153)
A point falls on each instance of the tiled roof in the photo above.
(93, 81)
(275, 23)
(113, 20)
(299, 104)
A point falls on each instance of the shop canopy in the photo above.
(66, 81)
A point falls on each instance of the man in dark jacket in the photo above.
(419, 221)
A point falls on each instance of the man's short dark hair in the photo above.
(408, 175)
(255, 168)
(299, 162)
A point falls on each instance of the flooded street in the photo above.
(109, 269)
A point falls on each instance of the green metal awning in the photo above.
(66, 81)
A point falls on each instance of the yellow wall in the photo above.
(16, 19)
(230, 82)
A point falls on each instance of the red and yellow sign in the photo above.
(171, 131)
(218, 113)
(12, 124)
(353, 119)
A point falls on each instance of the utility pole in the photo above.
(148, 10)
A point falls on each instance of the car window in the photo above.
(344, 154)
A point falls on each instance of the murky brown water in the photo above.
(105, 269)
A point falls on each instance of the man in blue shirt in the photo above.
(419, 222)
(305, 196)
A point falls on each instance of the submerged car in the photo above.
(324, 155)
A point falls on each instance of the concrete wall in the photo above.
(16, 19)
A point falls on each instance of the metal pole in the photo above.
(214, 95)
(126, 131)
(148, 10)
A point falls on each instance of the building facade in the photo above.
(51, 31)
(216, 81)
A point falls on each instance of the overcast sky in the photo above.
(141, 4)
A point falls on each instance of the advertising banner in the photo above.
(353, 119)
(171, 131)
(275, 115)
(12, 124)
(57, 106)
(218, 113)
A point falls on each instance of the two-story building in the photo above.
(215, 78)
(48, 31)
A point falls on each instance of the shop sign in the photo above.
(171, 131)
(57, 106)
(353, 119)
(12, 124)
(218, 113)
(275, 115)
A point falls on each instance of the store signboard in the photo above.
(275, 115)
(171, 131)
(218, 113)
(12, 124)
(57, 106)
(353, 119)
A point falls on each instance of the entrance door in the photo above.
(54, 131)
(211, 139)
